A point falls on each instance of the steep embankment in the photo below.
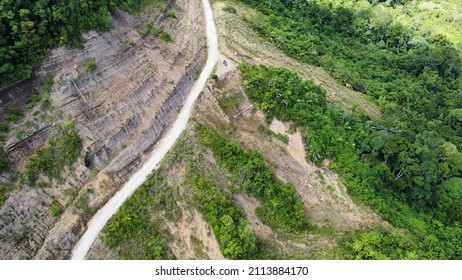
(120, 109)
(175, 212)
(104, 214)
(176, 216)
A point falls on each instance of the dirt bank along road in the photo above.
(101, 217)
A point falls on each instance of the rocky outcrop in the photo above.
(121, 110)
(23, 226)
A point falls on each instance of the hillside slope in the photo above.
(120, 108)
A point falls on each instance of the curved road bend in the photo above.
(101, 217)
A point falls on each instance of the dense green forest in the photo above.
(407, 163)
(365, 152)
(30, 29)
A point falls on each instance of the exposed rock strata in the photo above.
(121, 110)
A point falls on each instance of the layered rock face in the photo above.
(121, 109)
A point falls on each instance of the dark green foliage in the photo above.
(134, 230)
(4, 163)
(58, 153)
(30, 29)
(171, 14)
(416, 81)
(148, 29)
(55, 210)
(377, 245)
(14, 113)
(234, 233)
(4, 191)
(280, 206)
(91, 65)
(449, 199)
(165, 36)
(409, 177)
(230, 9)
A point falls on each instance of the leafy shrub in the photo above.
(165, 36)
(230, 9)
(234, 233)
(5, 189)
(33, 99)
(14, 113)
(91, 65)
(55, 210)
(133, 232)
(171, 14)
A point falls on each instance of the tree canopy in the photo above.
(30, 29)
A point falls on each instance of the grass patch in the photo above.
(33, 99)
(14, 113)
(148, 29)
(229, 101)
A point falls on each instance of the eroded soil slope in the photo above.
(225, 107)
(120, 109)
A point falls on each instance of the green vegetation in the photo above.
(33, 99)
(30, 29)
(377, 245)
(165, 36)
(148, 29)
(229, 101)
(91, 65)
(171, 14)
(230, 9)
(234, 233)
(58, 153)
(4, 190)
(55, 210)
(14, 113)
(82, 205)
(407, 164)
(410, 177)
(280, 206)
(47, 87)
(268, 132)
(134, 231)
(424, 16)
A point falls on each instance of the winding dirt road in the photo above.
(100, 219)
